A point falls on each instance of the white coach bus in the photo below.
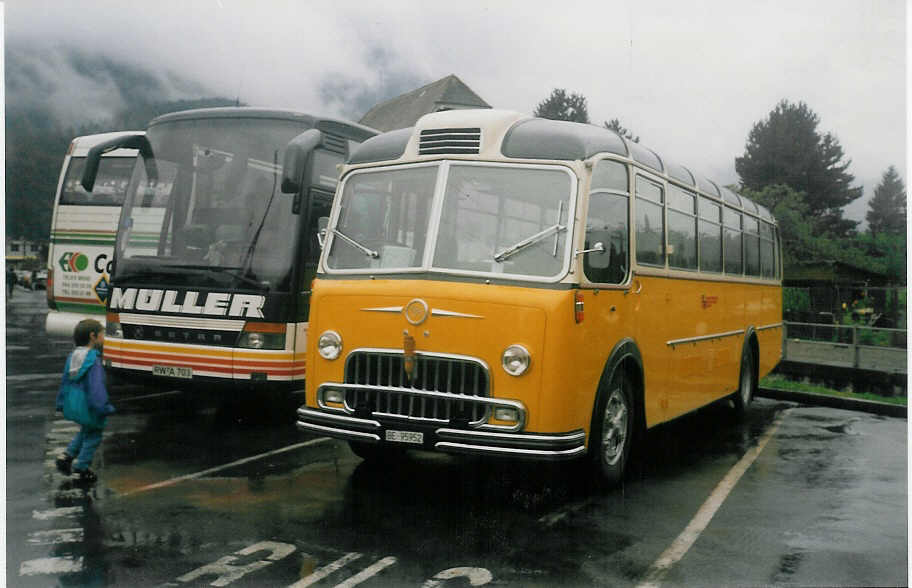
(83, 227)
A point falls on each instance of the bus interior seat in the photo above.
(194, 239)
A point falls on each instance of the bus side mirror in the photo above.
(126, 141)
(597, 248)
(322, 224)
(297, 153)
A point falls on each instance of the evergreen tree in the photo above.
(615, 125)
(562, 106)
(786, 148)
(887, 210)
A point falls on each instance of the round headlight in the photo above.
(516, 360)
(329, 345)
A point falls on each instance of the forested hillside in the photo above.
(53, 96)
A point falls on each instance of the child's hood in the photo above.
(81, 360)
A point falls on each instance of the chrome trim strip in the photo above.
(674, 342)
(434, 311)
(478, 400)
(342, 433)
(430, 394)
(437, 312)
(316, 415)
(510, 452)
(773, 326)
(528, 440)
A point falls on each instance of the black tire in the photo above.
(747, 383)
(613, 428)
(375, 452)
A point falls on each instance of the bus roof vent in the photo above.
(334, 142)
(449, 141)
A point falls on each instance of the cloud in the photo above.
(689, 79)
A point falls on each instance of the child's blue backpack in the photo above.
(75, 396)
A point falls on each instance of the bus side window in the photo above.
(606, 224)
(650, 223)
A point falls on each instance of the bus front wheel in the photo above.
(612, 431)
(746, 383)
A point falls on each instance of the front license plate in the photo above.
(405, 437)
(172, 371)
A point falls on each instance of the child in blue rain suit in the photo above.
(84, 374)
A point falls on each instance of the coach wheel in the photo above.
(745, 393)
(613, 428)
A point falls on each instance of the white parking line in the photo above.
(368, 572)
(55, 536)
(51, 565)
(66, 511)
(318, 575)
(179, 479)
(130, 398)
(31, 377)
(698, 524)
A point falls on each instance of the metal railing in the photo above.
(850, 346)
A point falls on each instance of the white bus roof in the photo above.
(79, 146)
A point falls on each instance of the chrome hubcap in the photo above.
(614, 427)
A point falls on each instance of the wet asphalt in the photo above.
(823, 503)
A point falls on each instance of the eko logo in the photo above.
(73, 261)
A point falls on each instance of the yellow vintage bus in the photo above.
(497, 284)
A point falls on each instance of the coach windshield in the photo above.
(510, 221)
(208, 205)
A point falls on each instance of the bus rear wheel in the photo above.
(612, 432)
(746, 383)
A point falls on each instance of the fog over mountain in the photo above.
(53, 95)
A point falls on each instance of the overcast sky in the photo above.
(690, 78)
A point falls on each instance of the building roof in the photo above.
(827, 271)
(448, 93)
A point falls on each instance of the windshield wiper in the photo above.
(231, 271)
(365, 250)
(514, 249)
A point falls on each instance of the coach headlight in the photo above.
(258, 335)
(113, 328)
(515, 360)
(329, 345)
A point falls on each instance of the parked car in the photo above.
(40, 281)
(24, 278)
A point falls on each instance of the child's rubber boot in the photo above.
(85, 476)
(64, 464)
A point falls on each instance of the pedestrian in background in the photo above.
(10, 281)
(83, 398)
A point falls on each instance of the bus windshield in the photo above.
(493, 219)
(110, 184)
(206, 206)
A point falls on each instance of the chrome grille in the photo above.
(454, 141)
(384, 389)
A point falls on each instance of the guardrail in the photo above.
(846, 346)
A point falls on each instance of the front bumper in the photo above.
(534, 446)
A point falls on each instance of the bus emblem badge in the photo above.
(408, 355)
(416, 311)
